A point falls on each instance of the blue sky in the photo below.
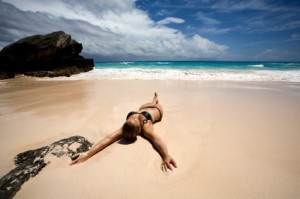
(123, 30)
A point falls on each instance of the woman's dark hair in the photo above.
(130, 130)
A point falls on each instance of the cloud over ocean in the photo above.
(108, 29)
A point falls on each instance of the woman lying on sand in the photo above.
(137, 123)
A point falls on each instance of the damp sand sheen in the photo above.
(230, 139)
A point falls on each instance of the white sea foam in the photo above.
(126, 62)
(163, 62)
(177, 74)
(257, 65)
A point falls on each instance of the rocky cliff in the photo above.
(54, 54)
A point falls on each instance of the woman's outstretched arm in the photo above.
(115, 136)
(162, 148)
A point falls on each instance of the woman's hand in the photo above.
(78, 158)
(167, 162)
(111, 138)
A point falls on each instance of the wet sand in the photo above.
(230, 139)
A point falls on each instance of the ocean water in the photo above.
(195, 70)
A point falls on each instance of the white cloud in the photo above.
(205, 19)
(207, 46)
(113, 29)
(170, 20)
(215, 31)
(233, 5)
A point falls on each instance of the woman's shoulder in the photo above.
(148, 127)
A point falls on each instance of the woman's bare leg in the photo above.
(155, 99)
(154, 102)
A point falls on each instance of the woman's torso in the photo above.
(155, 110)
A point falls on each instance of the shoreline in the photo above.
(194, 70)
(230, 139)
(23, 80)
(188, 74)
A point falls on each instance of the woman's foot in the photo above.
(155, 100)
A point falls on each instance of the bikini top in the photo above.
(144, 113)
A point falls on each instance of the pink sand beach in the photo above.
(230, 139)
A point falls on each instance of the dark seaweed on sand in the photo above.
(30, 163)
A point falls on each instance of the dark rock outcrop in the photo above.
(30, 163)
(54, 54)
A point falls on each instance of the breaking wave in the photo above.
(185, 74)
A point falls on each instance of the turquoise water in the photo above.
(192, 70)
(201, 65)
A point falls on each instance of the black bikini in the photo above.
(146, 114)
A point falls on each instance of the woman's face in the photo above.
(132, 126)
(134, 119)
